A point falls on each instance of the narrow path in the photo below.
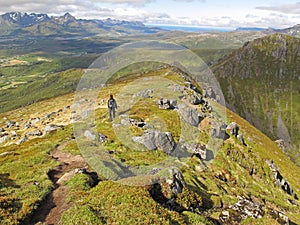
(55, 203)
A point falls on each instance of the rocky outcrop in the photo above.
(24, 139)
(218, 130)
(240, 137)
(148, 93)
(234, 128)
(280, 217)
(243, 209)
(168, 190)
(189, 115)
(51, 127)
(4, 139)
(126, 121)
(280, 180)
(154, 140)
(34, 133)
(198, 150)
(168, 104)
(281, 144)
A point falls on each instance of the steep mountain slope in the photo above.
(261, 81)
(43, 165)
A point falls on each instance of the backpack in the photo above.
(111, 103)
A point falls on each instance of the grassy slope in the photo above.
(110, 202)
(267, 70)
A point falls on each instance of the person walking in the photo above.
(112, 106)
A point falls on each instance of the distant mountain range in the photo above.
(292, 31)
(37, 24)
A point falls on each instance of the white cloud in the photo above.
(189, 0)
(132, 10)
(287, 8)
(128, 2)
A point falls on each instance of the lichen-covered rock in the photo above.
(234, 128)
(154, 140)
(188, 114)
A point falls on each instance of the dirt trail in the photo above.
(55, 203)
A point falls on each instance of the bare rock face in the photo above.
(154, 140)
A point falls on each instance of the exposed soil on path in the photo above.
(55, 203)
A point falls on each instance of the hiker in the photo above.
(112, 106)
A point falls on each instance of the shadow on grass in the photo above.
(6, 182)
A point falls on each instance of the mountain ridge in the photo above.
(270, 104)
(22, 23)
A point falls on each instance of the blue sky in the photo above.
(216, 13)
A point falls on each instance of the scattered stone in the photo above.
(102, 138)
(47, 116)
(24, 139)
(242, 210)
(90, 135)
(34, 133)
(234, 128)
(4, 139)
(144, 94)
(154, 140)
(136, 123)
(93, 137)
(27, 125)
(14, 134)
(35, 120)
(167, 104)
(10, 124)
(66, 177)
(292, 202)
(5, 154)
(280, 217)
(281, 144)
(2, 130)
(51, 127)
